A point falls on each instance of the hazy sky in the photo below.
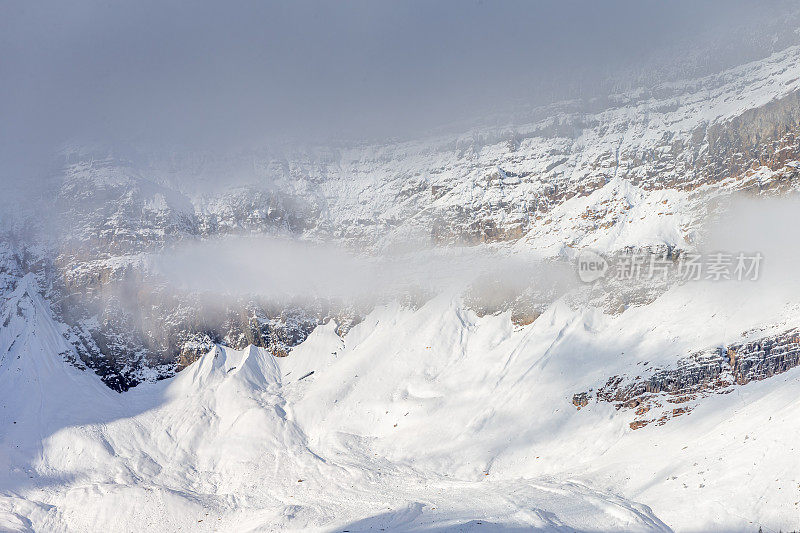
(217, 74)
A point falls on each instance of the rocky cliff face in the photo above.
(639, 171)
(664, 393)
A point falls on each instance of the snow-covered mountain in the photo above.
(491, 405)
(414, 420)
(637, 170)
(225, 446)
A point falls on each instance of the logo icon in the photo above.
(591, 265)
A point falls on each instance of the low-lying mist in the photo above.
(766, 226)
(287, 269)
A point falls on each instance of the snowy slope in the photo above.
(477, 398)
(218, 448)
(415, 420)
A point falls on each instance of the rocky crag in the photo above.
(659, 394)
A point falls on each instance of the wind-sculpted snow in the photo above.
(429, 419)
(221, 447)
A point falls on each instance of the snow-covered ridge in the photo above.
(218, 448)
(465, 423)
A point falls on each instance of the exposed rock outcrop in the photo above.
(671, 392)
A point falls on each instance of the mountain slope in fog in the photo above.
(508, 403)
(642, 169)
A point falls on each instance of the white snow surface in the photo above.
(417, 420)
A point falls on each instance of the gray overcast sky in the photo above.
(215, 74)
